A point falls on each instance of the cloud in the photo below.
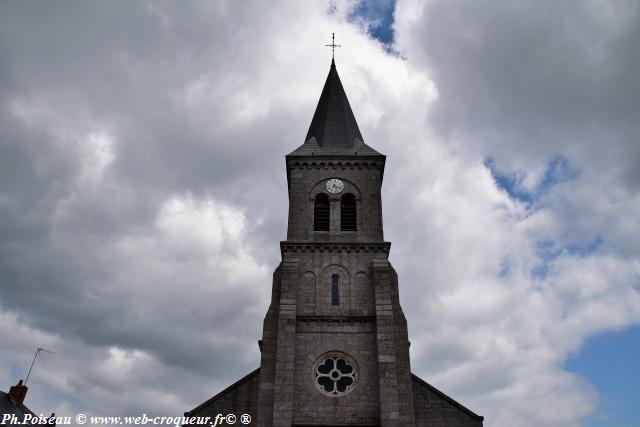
(530, 134)
(531, 80)
(143, 191)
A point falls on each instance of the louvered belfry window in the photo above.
(348, 215)
(321, 212)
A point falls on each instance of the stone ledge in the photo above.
(289, 246)
(332, 319)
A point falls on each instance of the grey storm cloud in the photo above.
(94, 142)
(525, 83)
(536, 78)
(143, 189)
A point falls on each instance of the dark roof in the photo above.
(7, 406)
(447, 398)
(223, 392)
(334, 129)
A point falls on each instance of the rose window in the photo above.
(335, 374)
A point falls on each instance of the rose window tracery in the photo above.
(335, 374)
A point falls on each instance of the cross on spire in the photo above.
(333, 45)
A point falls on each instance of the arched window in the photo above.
(348, 215)
(335, 289)
(321, 213)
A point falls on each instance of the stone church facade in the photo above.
(335, 350)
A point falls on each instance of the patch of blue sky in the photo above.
(586, 250)
(540, 271)
(548, 251)
(558, 170)
(505, 268)
(378, 14)
(510, 182)
(609, 361)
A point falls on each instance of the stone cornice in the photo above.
(336, 319)
(317, 162)
(289, 246)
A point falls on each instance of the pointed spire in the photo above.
(334, 129)
(333, 124)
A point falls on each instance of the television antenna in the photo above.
(34, 361)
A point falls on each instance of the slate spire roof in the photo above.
(334, 129)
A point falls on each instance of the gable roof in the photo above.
(232, 387)
(8, 406)
(464, 409)
(333, 129)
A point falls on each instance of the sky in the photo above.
(143, 194)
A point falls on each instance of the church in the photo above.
(335, 348)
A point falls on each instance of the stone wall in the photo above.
(353, 267)
(362, 178)
(361, 404)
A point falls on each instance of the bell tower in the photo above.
(334, 348)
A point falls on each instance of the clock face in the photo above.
(334, 186)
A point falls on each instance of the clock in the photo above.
(334, 186)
